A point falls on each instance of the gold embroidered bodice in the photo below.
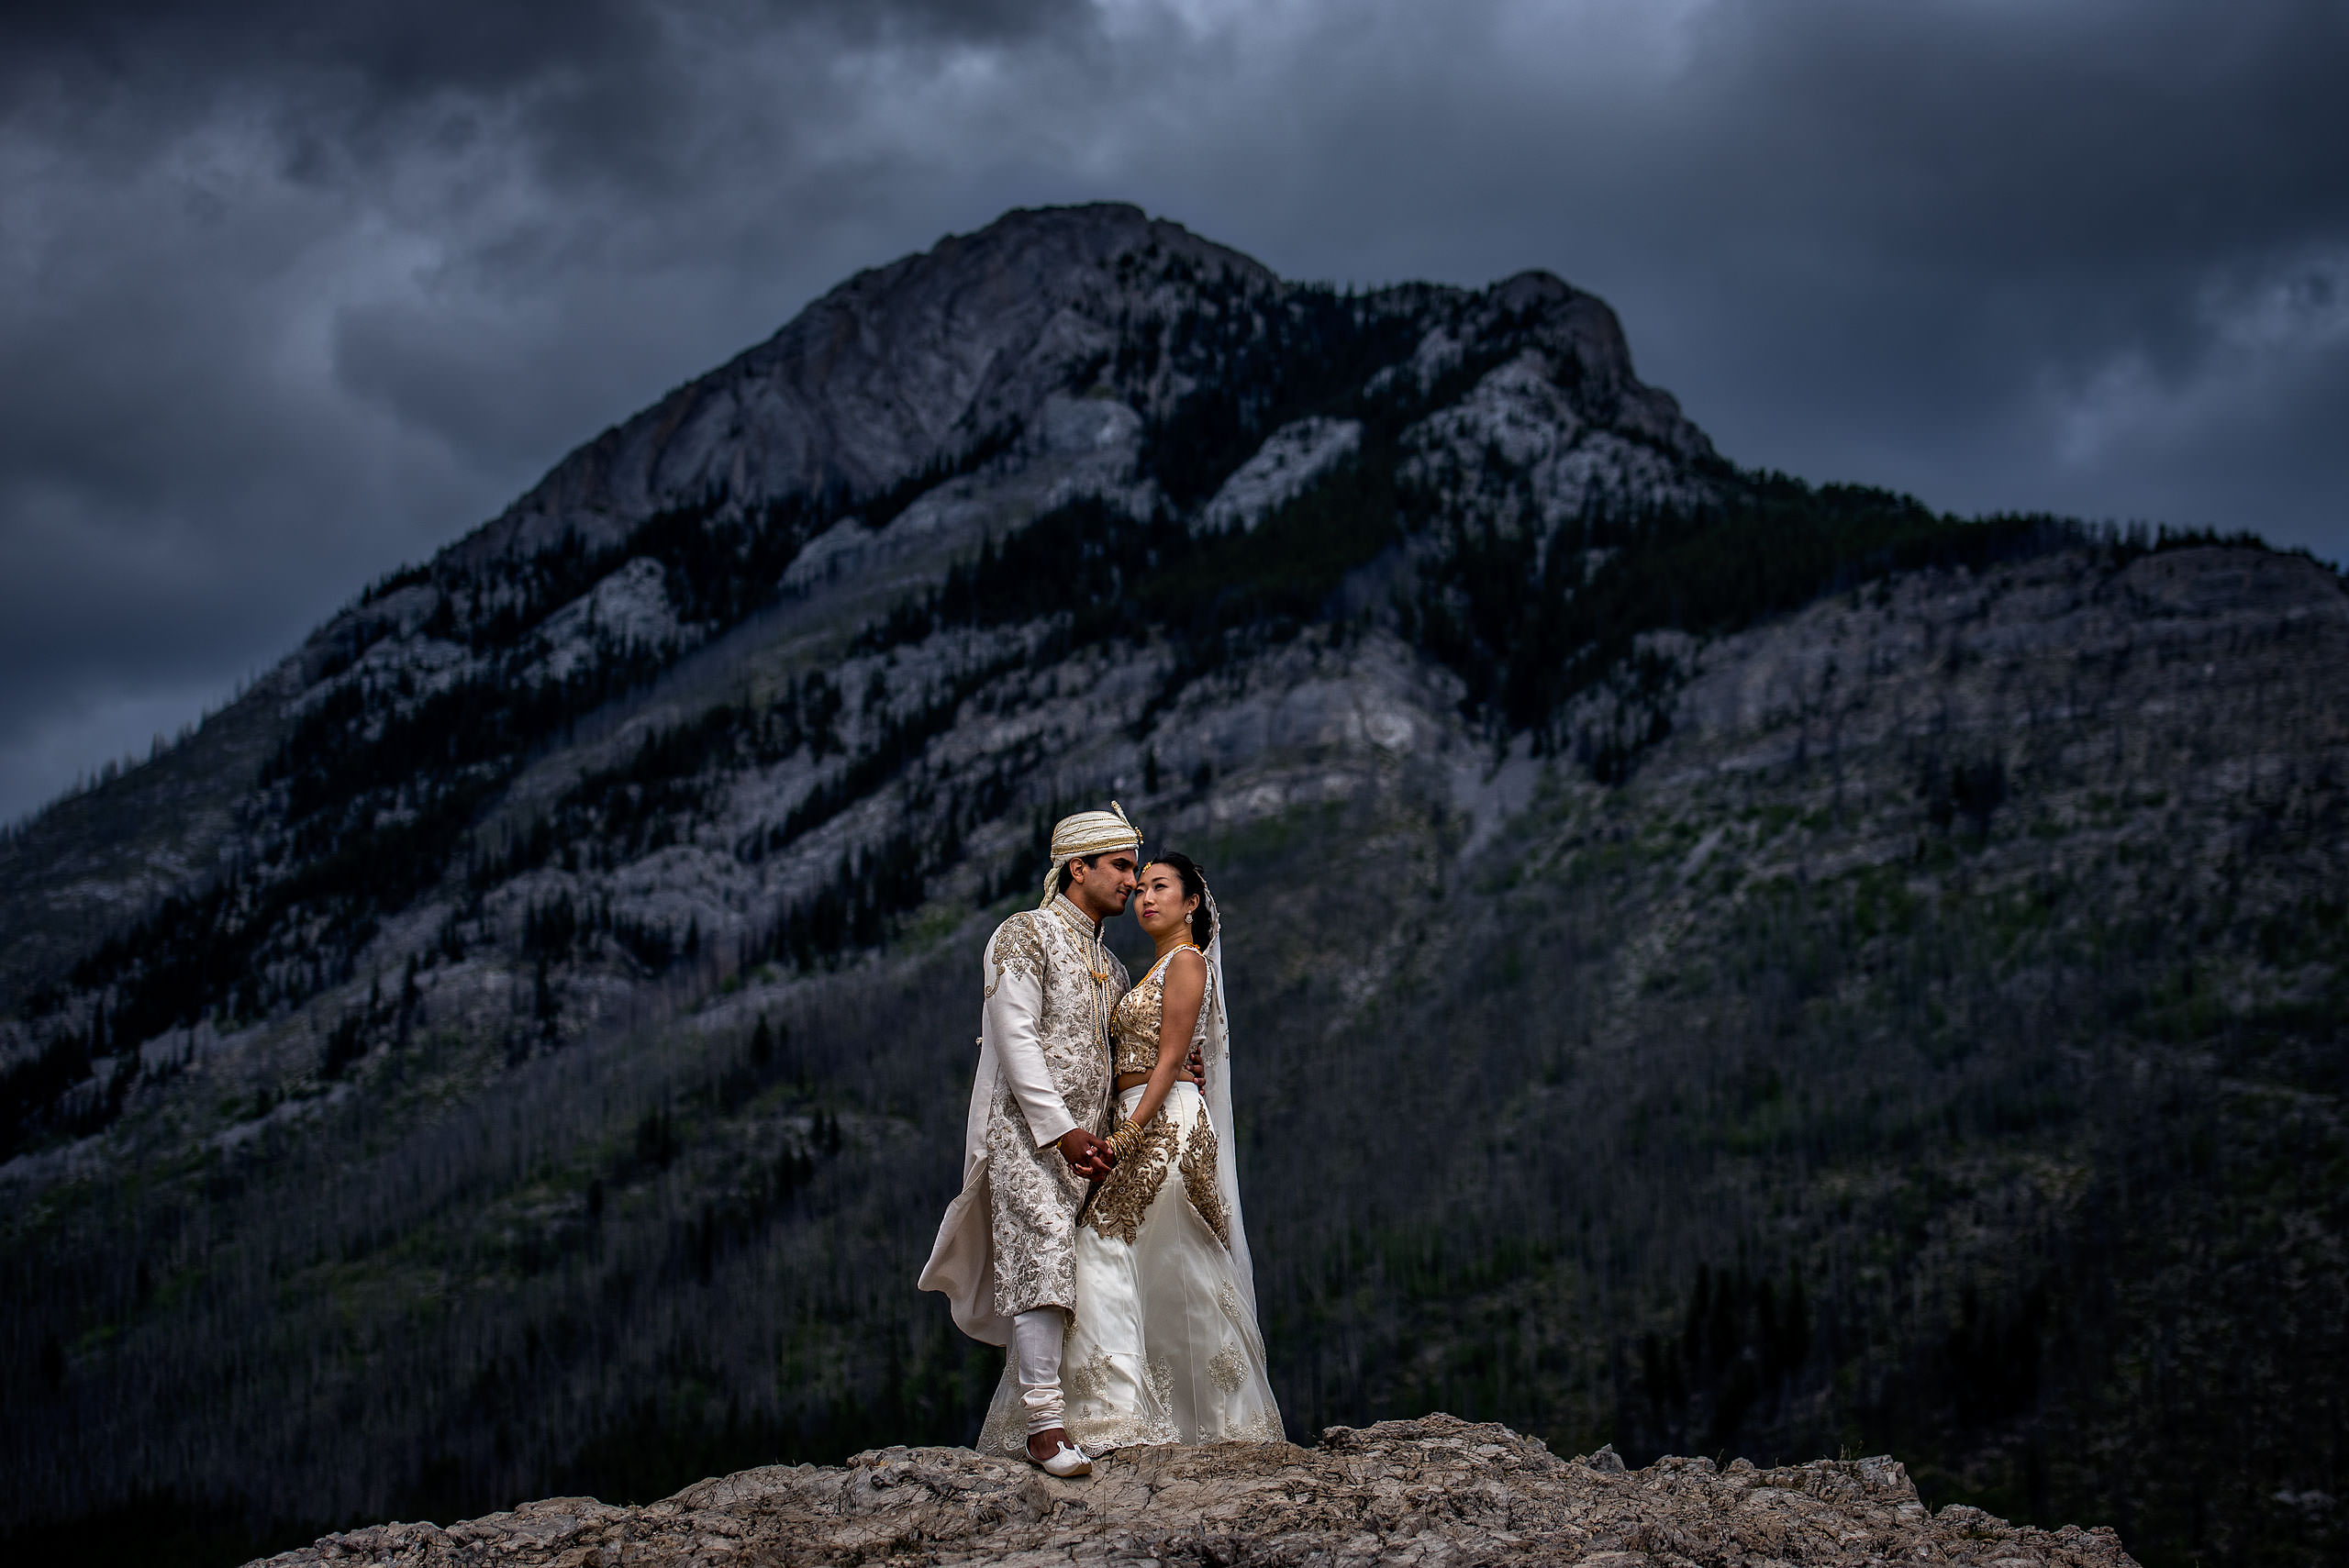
(1179, 1137)
(1140, 1014)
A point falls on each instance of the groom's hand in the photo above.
(1087, 1155)
(1195, 1070)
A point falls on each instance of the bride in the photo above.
(1163, 1347)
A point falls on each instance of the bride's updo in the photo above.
(1194, 885)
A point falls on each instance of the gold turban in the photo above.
(1086, 834)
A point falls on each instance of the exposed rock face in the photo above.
(935, 352)
(1288, 462)
(894, 366)
(1434, 1491)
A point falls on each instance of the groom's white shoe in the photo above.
(1067, 1460)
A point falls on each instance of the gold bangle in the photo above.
(1126, 1139)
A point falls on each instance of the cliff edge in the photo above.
(1433, 1491)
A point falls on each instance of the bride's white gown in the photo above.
(1164, 1347)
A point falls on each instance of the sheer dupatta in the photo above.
(1215, 1052)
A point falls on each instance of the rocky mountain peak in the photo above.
(1532, 289)
(902, 365)
(1048, 249)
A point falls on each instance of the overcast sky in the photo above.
(293, 292)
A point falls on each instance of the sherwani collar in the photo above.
(1087, 932)
(1083, 924)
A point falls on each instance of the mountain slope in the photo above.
(1719, 963)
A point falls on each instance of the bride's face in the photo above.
(1159, 903)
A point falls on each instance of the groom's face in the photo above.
(1102, 885)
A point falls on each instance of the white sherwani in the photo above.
(1008, 1242)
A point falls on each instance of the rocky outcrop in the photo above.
(1285, 466)
(1434, 1491)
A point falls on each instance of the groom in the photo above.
(1005, 1257)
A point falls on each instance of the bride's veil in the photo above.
(1216, 1053)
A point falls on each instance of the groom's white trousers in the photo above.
(1036, 1338)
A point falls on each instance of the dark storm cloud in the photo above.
(2067, 237)
(2081, 255)
(290, 293)
(401, 48)
(297, 293)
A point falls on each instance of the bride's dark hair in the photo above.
(1194, 885)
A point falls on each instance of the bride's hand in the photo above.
(1195, 1070)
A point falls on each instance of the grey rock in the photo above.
(1288, 462)
(1434, 1491)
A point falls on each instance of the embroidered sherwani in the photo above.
(1008, 1242)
